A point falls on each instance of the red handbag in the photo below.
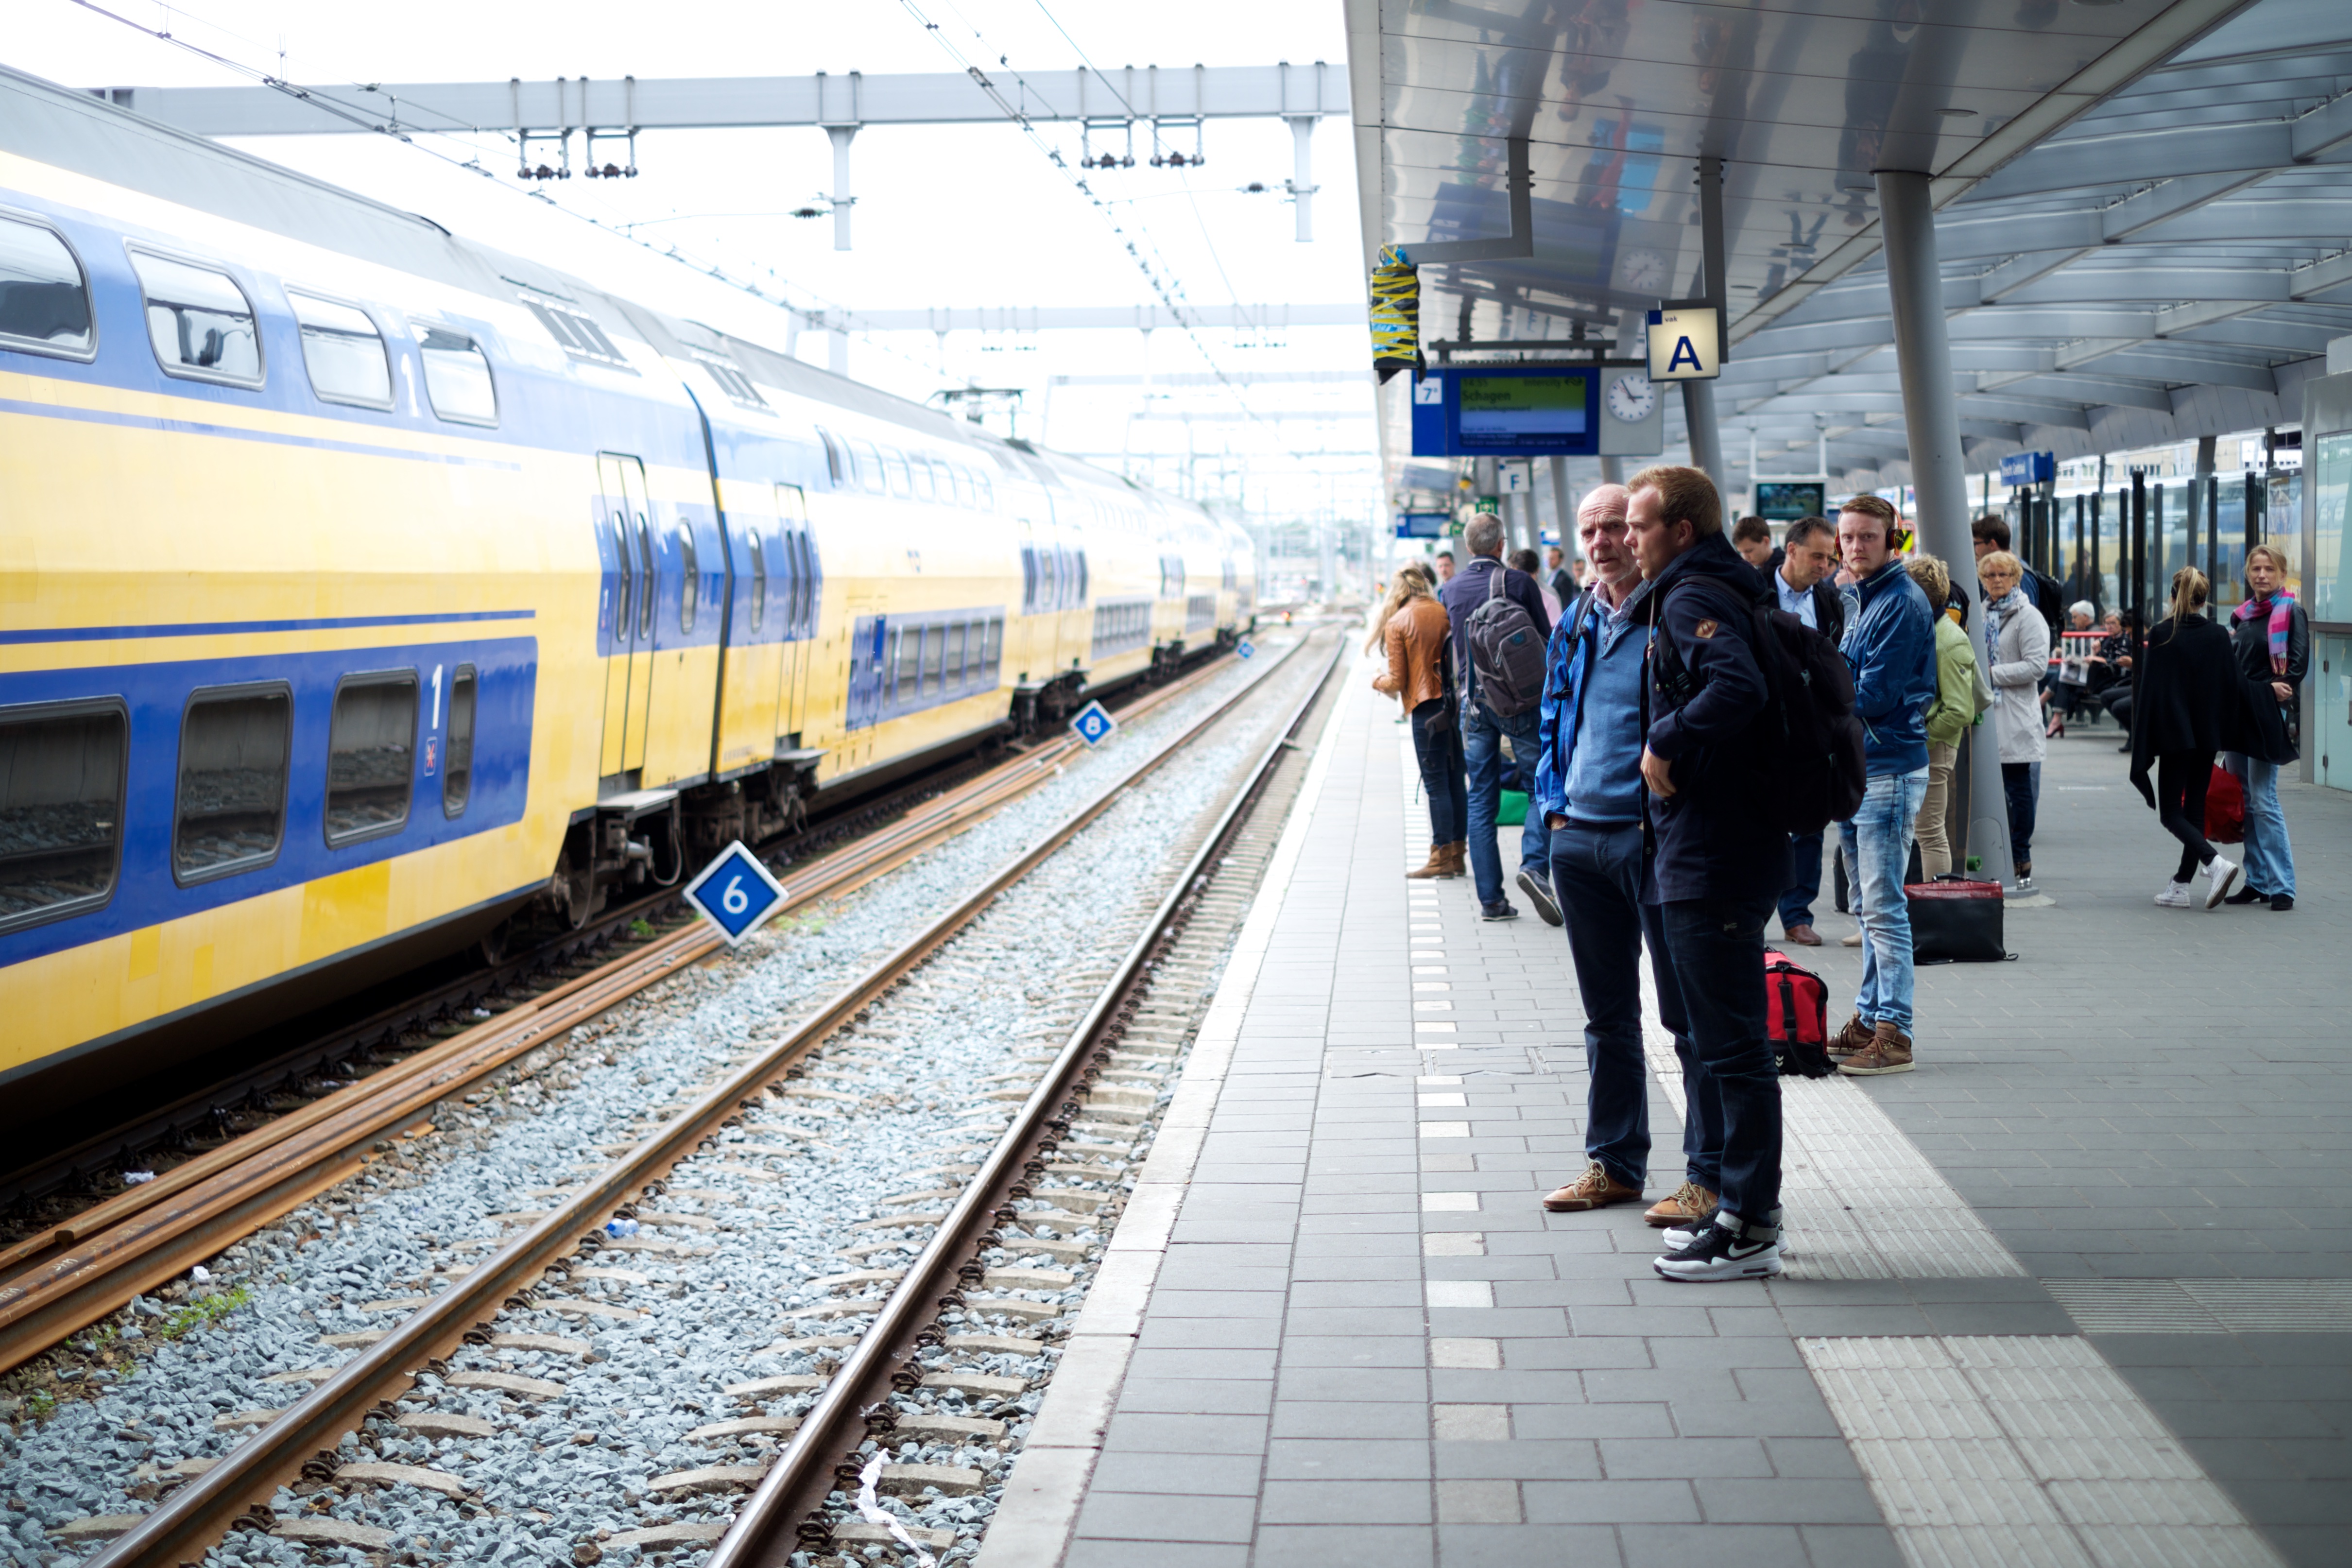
(2225, 808)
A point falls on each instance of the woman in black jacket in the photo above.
(2190, 705)
(2271, 637)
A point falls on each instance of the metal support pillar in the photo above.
(1931, 419)
(1563, 506)
(1612, 470)
(1302, 174)
(842, 200)
(1698, 396)
(2208, 493)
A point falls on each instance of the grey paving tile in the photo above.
(1159, 1516)
(1323, 1501)
(1345, 1546)
(1611, 1503)
(1638, 1459)
(1685, 1545)
(1527, 1546)
(1230, 1474)
(1352, 1383)
(1850, 1546)
(1526, 1457)
(1351, 1418)
(1196, 1395)
(1158, 1434)
(1784, 1499)
(1092, 1553)
(1349, 1459)
(1165, 1363)
(1351, 1349)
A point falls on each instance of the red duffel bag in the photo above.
(2225, 808)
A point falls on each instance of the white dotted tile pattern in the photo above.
(1992, 1452)
(2207, 1306)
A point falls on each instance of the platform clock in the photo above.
(1631, 398)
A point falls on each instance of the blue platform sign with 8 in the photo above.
(1093, 724)
(735, 893)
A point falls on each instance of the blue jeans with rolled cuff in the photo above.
(1877, 844)
(1439, 752)
(1482, 750)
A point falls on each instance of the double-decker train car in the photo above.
(361, 588)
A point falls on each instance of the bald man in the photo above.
(1589, 786)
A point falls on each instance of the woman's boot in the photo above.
(1434, 866)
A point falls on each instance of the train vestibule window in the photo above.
(951, 667)
(457, 762)
(344, 352)
(689, 581)
(759, 579)
(934, 642)
(458, 377)
(61, 773)
(234, 748)
(199, 321)
(44, 299)
(371, 753)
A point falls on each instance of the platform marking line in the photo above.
(2206, 1306)
(1989, 1451)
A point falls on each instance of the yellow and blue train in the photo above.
(360, 586)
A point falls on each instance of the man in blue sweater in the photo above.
(1719, 862)
(1890, 641)
(1588, 788)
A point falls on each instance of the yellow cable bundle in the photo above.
(1396, 314)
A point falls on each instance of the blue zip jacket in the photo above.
(1891, 645)
(1568, 659)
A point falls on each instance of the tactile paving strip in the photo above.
(1989, 1452)
(2207, 1306)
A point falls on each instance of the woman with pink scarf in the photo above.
(2272, 638)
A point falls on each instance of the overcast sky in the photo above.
(945, 215)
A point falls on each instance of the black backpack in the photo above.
(1506, 651)
(2049, 598)
(1812, 772)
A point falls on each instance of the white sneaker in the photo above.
(2223, 874)
(2175, 896)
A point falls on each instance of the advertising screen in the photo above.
(1786, 502)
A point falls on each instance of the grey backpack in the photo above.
(1506, 651)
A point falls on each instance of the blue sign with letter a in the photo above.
(1093, 724)
(735, 893)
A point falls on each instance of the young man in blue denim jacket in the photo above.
(1890, 641)
(1588, 788)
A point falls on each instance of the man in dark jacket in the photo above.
(1719, 863)
(1800, 585)
(1483, 730)
(1891, 645)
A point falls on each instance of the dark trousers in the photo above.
(1717, 945)
(2021, 782)
(1597, 874)
(1805, 868)
(2180, 781)
(1482, 752)
(1440, 753)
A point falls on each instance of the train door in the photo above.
(628, 689)
(799, 605)
(868, 653)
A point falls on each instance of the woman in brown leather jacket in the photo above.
(1414, 629)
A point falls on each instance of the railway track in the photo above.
(306, 1431)
(68, 1274)
(48, 1188)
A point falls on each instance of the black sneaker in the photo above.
(1728, 1250)
(1500, 910)
(1678, 1237)
(2247, 895)
(2282, 902)
(1540, 897)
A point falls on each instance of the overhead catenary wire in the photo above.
(823, 316)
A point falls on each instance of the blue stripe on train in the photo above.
(507, 671)
(232, 628)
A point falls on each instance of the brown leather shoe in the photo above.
(1434, 866)
(1691, 1205)
(1851, 1040)
(1804, 936)
(1593, 1190)
(1890, 1051)
(1455, 854)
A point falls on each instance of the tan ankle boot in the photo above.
(1454, 852)
(1433, 867)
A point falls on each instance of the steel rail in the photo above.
(195, 1516)
(72, 1274)
(764, 1534)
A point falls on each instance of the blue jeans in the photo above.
(1805, 867)
(2021, 784)
(2270, 860)
(1877, 844)
(1440, 755)
(1597, 874)
(1718, 946)
(1482, 750)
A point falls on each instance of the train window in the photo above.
(869, 465)
(732, 381)
(457, 762)
(199, 320)
(951, 663)
(833, 456)
(344, 352)
(645, 576)
(44, 299)
(934, 641)
(61, 771)
(957, 486)
(987, 491)
(992, 649)
(759, 579)
(231, 817)
(627, 580)
(806, 584)
(894, 466)
(458, 377)
(909, 664)
(575, 332)
(1028, 580)
(1082, 577)
(369, 755)
(926, 482)
(689, 582)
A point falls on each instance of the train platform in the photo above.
(2077, 1291)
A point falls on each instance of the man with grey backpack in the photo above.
(1500, 632)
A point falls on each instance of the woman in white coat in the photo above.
(2018, 657)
